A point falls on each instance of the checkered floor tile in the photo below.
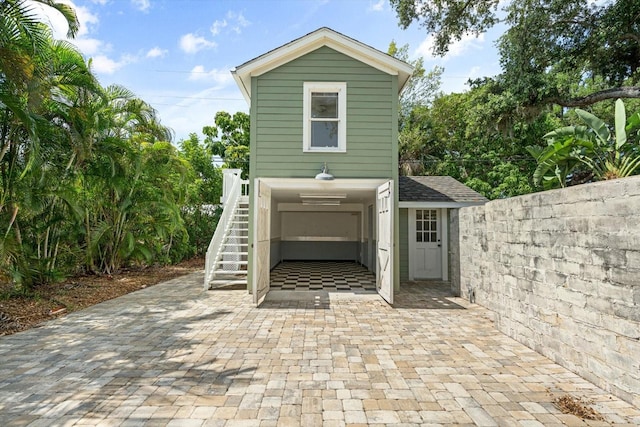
(322, 276)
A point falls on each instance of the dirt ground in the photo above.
(20, 313)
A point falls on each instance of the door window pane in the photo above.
(427, 225)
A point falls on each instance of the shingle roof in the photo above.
(436, 189)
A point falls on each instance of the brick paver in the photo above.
(174, 355)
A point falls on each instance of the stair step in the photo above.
(233, 262)
(217, 273)
(222, 283)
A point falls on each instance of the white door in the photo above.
(262, 240)
(425, 240)
(384, 264)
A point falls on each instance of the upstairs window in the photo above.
(325, 122)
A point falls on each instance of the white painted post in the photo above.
(228, 177)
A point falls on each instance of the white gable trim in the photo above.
(311, 42)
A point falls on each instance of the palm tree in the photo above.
(116, 202)
(23, 41)
(37, 77)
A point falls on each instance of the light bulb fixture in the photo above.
(324, 175)
(321, 203)
(323, 196)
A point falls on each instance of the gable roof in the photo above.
(312, 41)
(437, 189)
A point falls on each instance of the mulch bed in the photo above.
(21, 313)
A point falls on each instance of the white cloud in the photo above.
(473, 73)
(378, 6)
(88, 21)
(238, 21)
(221, 77)
(191, 43)
(217, 26)
(156, 52)
(234, 21)
(58, 23)
(105, 65)
(89, 46)
(426, 47)
(457, 48)
(141, 5)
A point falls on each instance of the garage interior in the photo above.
(322, 235)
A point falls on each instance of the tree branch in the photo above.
(603, 95)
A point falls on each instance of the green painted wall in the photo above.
(403, 244)
(372, 126)
(277, 107)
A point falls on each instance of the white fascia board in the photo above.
(246, 91)
(302, 184)
(433, 205)
(322, 37)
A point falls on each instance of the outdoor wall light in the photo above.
(324, 175)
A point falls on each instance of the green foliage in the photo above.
(201, 210)
(229, 139)
(448, 20)
(423, 87)
(477, 137)
(551, 49)
(575, 154)
(88, 178)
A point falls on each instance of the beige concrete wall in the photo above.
(561, 271)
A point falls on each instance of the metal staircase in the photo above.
(226, 261)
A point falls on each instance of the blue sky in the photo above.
(177, 54)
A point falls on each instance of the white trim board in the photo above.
(435, 205)
(312, 41)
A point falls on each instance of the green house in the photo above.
(323, 184)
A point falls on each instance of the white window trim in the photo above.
(341, 89)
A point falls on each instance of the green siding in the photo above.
(372, 129)
(276, 143)
(404, 244)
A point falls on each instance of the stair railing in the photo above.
(230, 204)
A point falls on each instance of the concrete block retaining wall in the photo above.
(561, 271)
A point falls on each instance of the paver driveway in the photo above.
(175, 355)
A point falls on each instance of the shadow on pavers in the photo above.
(413, 295)
(426, 295)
